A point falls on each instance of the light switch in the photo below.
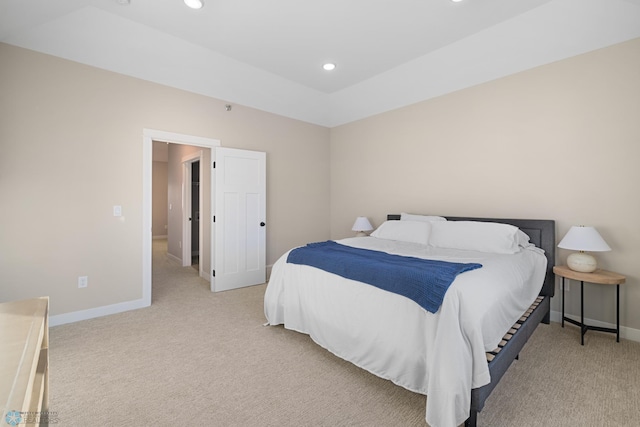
(117, 210)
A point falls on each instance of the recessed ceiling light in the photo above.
(194, 4)
(456, 1)
(329, 66)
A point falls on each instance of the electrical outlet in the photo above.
(83, 281)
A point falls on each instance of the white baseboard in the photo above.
(61, 319)
(174, 258)
(625, 332)
(76, 316)
(206, 276)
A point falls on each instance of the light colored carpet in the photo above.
(198, 358)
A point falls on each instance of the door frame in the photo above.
(148, 136)
(187, 195)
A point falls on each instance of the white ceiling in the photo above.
(269, 54)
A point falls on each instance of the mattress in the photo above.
(442, 355)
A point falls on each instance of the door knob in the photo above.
(262, 224)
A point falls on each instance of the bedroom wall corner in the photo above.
(560, 142)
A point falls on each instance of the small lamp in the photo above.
(361, 226)
(581, 238)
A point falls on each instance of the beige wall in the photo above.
(159, 222)
(558, 142)
(71, 148)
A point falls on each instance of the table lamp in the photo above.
(582, 239)
(361, 226)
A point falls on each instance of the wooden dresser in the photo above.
(24, 362)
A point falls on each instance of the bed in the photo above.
(455, 355)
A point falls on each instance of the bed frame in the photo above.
(542, 233)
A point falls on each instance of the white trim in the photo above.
(179, 138)
(205, 275)
(627, 333)
(174, 258)
(105, 310)
(147, 231)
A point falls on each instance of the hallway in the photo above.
(168, 277)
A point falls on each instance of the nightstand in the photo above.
(600, 277)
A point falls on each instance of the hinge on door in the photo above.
(214, 218)
(214, 273)
(214, 165)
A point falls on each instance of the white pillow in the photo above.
(428, 218)
(489, 237)
(523, 239)
(404, 231)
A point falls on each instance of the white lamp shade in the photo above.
(362, 224)
(583, 239)
(586, 239)
(194, 4)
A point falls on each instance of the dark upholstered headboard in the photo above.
(541, 232)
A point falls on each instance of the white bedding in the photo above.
(441, 355)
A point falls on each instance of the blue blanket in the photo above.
(422, 280)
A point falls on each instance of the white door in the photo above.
(240, 219)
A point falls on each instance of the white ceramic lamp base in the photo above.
(582, 262)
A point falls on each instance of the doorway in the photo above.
(189, 193)
(238, 249)
(195, 215)
(205, 257)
